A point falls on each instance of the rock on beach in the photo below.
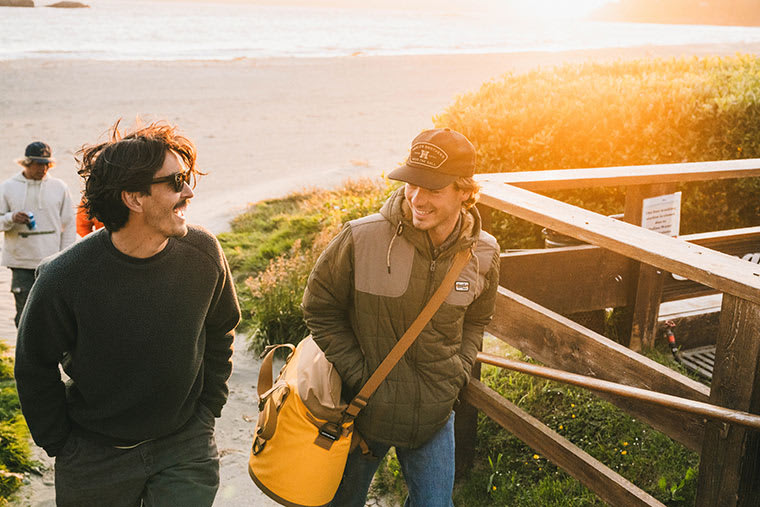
(68, 5)
(16, 3)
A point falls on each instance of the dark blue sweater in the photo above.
(145, 340)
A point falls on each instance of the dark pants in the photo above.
(181, 469)
(21, 283)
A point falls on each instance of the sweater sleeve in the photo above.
(326, 303)
(222, 318)
(478, 316)
(46, 330)
(6, 221)
(6, 213)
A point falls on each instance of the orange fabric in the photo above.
(86, 225)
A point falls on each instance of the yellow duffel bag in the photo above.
(300, 447)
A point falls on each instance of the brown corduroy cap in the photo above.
(437, 158)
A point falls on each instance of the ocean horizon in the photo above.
(134, 30)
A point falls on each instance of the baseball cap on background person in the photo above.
(37, 152)
(438, 157)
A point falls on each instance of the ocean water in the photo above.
(175, 30)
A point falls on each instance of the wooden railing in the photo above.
(630, 266)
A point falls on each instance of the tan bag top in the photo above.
(319, 384)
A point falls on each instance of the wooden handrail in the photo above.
(599, 278)
(728, 451)
(562, 179)
(664, 400)
(714, 269)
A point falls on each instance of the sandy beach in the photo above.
(263, 128)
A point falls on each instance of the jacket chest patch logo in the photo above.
(462, 286)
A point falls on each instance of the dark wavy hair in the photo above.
(128, 162)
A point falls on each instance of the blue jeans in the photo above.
(181, 469)
(428, 472)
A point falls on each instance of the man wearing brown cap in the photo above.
(368, 286)
(37, 216)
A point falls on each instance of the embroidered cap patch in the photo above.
(462, 286)
(427, 155)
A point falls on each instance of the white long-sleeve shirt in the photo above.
(53, 210)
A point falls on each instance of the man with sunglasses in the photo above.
(37, 217)
(141, 315)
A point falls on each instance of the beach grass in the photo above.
(508, 472)
(273, 246)
(15, 452)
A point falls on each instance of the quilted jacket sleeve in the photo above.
(326, 305)
(478, 316)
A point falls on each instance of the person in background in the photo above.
(85, 223)
(37, 217)
(370, 284)
(141, 316)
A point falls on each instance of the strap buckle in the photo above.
(353, 409)
(329, 433)
(330, 430)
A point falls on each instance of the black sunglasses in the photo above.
(175, 180)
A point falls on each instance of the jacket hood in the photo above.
(26, 181)
(19, 176)
(396, 210)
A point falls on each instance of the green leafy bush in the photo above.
(273, 246)
(388, 482)
(627, 113)
(508, 472)
(265, 231)
(14, 435)
(277, 292)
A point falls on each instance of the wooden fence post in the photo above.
(646, 290)
(729, 470)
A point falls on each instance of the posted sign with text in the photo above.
(662, 214)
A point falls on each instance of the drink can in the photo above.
(32, 223)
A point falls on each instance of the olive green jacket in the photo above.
(367, 288)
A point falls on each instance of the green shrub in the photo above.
(265, 231)
(508, 472)
(626, 113)
(15, 453)
(277, 292)
(388, 482)
(273, 246)
(14, 444)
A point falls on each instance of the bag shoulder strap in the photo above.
(265, 381)
(360, 400)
